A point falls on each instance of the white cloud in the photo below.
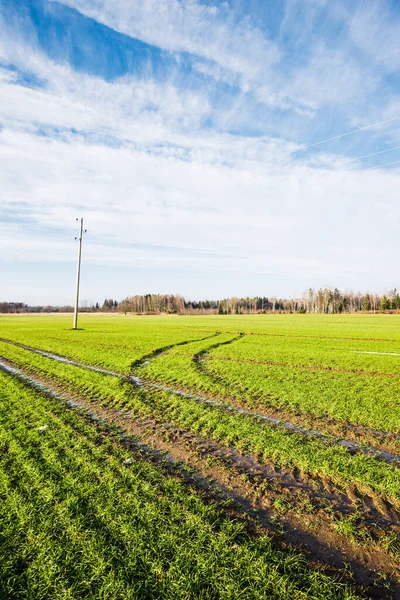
(375, 30)
(73, 100)
(174, 195)
(211, 32)
(234, 50)
(157, 117)
(331, 77)
(246, 219)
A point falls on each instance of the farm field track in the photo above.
(287, 426)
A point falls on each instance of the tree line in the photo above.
(318, 301)
(109, 305)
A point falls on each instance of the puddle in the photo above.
(352, 447)
(381, 353)
(60, 359)
(246, 465)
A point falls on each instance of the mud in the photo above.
(351, 446)
(254, 487)
(144, 360)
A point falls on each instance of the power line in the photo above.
(337, 137)
(369, 155)
(380, 166)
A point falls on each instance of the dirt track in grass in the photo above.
(295, 509)
(385, 444)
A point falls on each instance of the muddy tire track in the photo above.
(278, 416)
(351, 446)
(313, 485)
(361, 434)
(145, 359)
(387, 442)
(202, 355)
(223, 473)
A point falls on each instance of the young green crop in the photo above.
(114, 342)
(315, 364)
(77, 520)
(273, 444)
(351, 397)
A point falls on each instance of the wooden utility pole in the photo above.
(78, 273)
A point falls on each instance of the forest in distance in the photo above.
(321, 301)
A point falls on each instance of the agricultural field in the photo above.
(200, 457)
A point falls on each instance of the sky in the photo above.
(246, 147)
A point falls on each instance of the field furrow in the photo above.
(350, 445)
(111, 524)
(279, 500)
(279, 445)
(290, 427)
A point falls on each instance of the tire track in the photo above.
(200, 356)
(351, 446)
(218, 485)
(356, 430)
(144, 360)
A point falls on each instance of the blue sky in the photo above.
(187, 134)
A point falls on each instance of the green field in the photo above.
(295, 419)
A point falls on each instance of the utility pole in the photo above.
(78, 273)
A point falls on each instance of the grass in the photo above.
(78, 519)
(302, 378)
(317, 367)
(269, 443)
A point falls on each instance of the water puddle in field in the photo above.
(381, 353)
(352, 447)
(61, 359)
(40, 387)
(277, 479)
(74, 405)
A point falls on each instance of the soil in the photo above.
(293, 508)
